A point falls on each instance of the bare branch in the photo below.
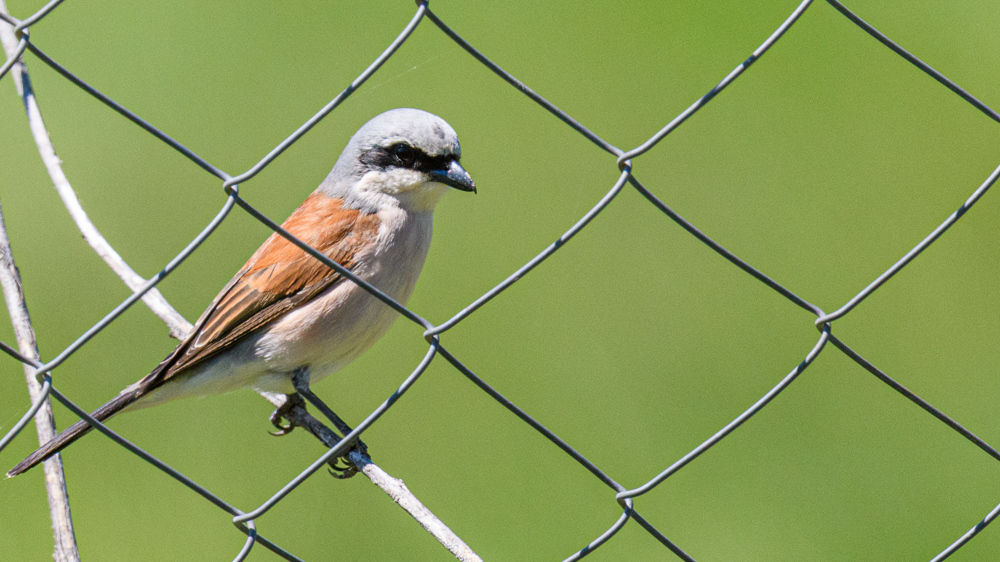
(393, 487)
(153, 299)
(55, 479)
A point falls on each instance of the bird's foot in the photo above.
(278, 415)
(343, 467)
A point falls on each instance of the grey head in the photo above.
(404, 156)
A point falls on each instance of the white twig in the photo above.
(393, 487)
(45, 425)
(400, 494)
(55, 480)
(153, 299)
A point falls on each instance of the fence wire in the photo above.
(624, 160)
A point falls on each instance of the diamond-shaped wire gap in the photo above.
(626, 239)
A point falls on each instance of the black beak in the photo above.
(455, 176)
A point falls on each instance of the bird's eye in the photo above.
(404, 153)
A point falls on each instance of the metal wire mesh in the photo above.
(624, 160)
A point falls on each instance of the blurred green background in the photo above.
(821, 166)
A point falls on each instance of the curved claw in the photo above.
(342, 467)
(283, 429)
(342, 472)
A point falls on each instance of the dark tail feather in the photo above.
(75, 431)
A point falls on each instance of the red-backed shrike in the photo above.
(286, 312)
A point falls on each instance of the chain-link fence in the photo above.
(628, 166)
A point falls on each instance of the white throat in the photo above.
(397, 187)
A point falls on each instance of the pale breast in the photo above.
(342, 323)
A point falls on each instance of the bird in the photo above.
(285, 312)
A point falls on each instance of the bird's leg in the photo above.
(278, 415)
(300, 380)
